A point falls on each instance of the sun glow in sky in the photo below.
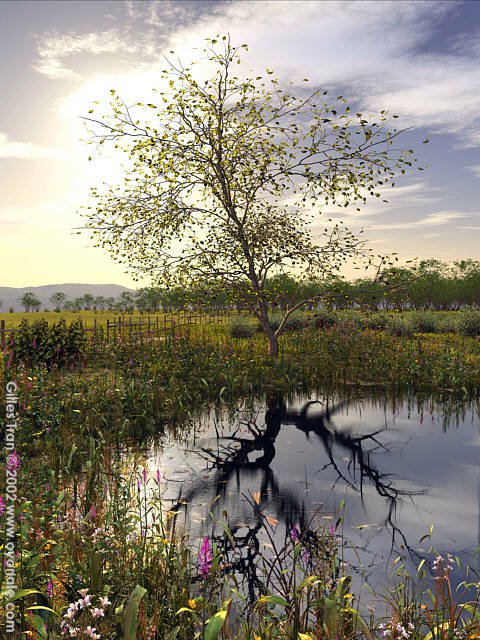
(420, 60)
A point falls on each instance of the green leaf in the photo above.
(36, 607)
(22, 593)
(274, 600)
(38, 624)
(215, 624)
(130, 615)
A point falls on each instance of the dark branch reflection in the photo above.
(244, 457)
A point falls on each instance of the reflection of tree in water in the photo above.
(238, 456)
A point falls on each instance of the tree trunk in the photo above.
(273, 346)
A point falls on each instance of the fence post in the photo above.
(2, 334)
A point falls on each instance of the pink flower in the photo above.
(89, 631)
(97, 613)
(50, 589)
(93, 511)
(294, 534)
(2, 506)
(205, 558)
(158, 476)
(104, 602)
(13, 461)
(83, 592)
(144, 476)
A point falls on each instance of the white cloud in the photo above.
(475, 169)
(370, 49)
(26, 150)
(54, 49)
(438, 218)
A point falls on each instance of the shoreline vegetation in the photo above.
(99, 554)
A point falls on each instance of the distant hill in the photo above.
(10, 295)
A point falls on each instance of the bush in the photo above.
(325, 319)
(41, 343)
(469, 324)
(400, 327)
(243, 327)
(426, 322)
(375, 321)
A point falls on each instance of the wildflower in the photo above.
(97, 613)
(158, 476)
(144, 476)
(2, 506)
(50, 589)
(306, 555)
(104, 602)
(192, 604)
(13, 461)
(89, 631)
(205, 558)
(294, 534)
(332, 531)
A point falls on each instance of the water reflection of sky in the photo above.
(418, 474)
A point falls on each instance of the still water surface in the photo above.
(399, 467)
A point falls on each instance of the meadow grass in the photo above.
(97, 524)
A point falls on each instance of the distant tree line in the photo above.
(432, 284)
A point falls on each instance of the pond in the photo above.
(394, 468)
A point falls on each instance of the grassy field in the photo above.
(92, 521)
(90, 317)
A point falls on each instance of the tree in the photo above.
(29, 301)
(226, 182)
(58, 300)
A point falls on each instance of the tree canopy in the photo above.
(227, 177)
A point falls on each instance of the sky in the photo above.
(420, 60)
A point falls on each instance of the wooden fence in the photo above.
(125, 326)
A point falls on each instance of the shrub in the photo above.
(469, 324)
(325, 319)
(375, 321)
(243, 327)
(41, 343)
(426, 322)
(400, 327)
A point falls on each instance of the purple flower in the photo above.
(144, 476)
(306, 556)
(294, 533)
(50, 589)
(93, 511)
(2, 506)
(13, 461)
(158, 475)
(332, 531)
(205, 558)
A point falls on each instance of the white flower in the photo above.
(104, 602)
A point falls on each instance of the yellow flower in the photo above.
(257, 638)
(192, 604)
